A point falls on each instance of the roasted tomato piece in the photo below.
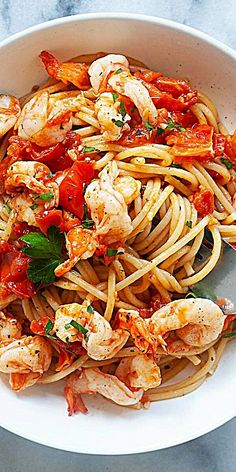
(72, 187)
(219, 141)
(49, 218)
(203, 201)
(193, 143)
(13, 271)
(230, 148)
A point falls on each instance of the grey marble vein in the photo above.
(215, 452)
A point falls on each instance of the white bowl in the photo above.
(39, 413)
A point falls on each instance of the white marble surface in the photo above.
(216, 451)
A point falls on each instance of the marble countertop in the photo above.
(214, 452)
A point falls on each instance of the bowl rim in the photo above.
(189, 31)
(121, 16)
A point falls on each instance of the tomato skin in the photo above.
(193, 143)
(49, 218)
(230, 148)
(203, 201)
(148, 75)
(136, 136)
(155, 304)
(186, 119)
(38, 326)
(70, 221)
(13, 271)
(72, 186)
(228, 320)
(219, 141)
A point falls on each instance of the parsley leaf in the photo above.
(44, 196)
(46, 253)
(229, 335)
(159, 132)
(7, 208)
(148, 126)
(118, 71)
(122, 109)
(189, 223)
(80, 328)
(176, 166)
(111, 252)
(115, 96)
(201, 290)
(118, 123)
(172, 125)
(34, 206)
(190, 295)
(48, 327)
(90, 309)
(226, 162)
(50, 175)
(87, 223)
(90, 149)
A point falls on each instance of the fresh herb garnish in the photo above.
(176, 166)
(229, 335)
(226, 162)
(43, 297)
(48, 327)
(78, 326)
(44, 196)
(118, 71)
(50, 175)
(189, 223)
(118, 123)
(87, 223)
(7, 208)
(172, 125)
(111, 251)
(34, 206)
(90, 149)
(90, 309)
(148, 126)
(115, 96)
(159, 132)
(46, 253)
(122, 109)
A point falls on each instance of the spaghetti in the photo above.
(111, 174)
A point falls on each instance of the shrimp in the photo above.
(41, 124)
(99, 340)
(128, 187)
(81, 244)
(108, 208)
(196, 321)
(76, 73)
(113, 124)
(93, 381)
(10, 327)
(26, 360)
(34, 176)
(100, 69)
(9, 112)
(125, 84)
(139, 372)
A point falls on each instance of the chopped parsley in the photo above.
(7, 208)
(176, 166)
(50, 175)
(78, 326)
(118, 71)
(46, 254)
(34, 206)
(48, 327)
(190, 295)
(90, 309)
(159, 132)
(148, 126)
(122, 109)
(172, 125)
(87, 223)
(111, 252)
(118, 123)
(44, 196)
(229, 335)
(115, 96)
(226, 162)
(90, 149)
(189, 223)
